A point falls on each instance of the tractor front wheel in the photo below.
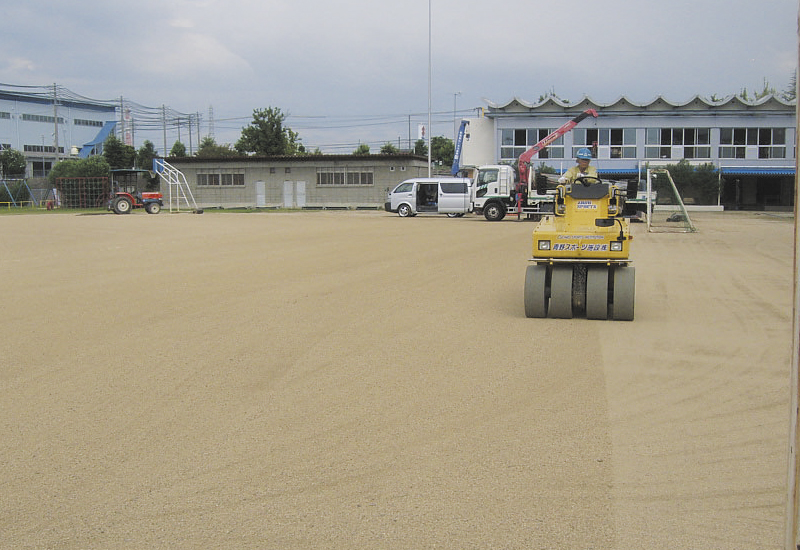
(152, 208)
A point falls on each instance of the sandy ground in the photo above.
(358, 380)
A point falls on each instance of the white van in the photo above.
(444, 195)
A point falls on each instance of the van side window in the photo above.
(459, 187)
(404, 187)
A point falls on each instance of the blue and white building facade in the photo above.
(752, 144)
(46, 129)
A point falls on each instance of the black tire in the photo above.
(494, 211)
(536, 297)
(561, 292)
(122, 205)
(597, 292)
(152, 208)
(404, 211)
(624, 293)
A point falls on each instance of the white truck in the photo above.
(495, 194)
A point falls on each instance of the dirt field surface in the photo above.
(342, 380)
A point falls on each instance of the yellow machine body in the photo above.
(572, 232)
(580, 263)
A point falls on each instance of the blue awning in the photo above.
(771, 171)
(101, 137)
(620, 171)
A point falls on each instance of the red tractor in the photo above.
(123, 203)
(127, 195)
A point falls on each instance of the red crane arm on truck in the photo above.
(525, 158)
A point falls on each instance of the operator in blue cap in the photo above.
(583, 158)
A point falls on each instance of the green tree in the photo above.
(442, 150)
(208, 148)
(117, 154)
(77, 193)
(12, 163)
(145, 155)
(544, 169)
(699, 182)
(389, 149)
(420, 148)
(267, 135)
(178, 150)
(362, 149)
(95, 166)
(790, 93)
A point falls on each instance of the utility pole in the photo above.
(793, 485)
(428, 133)
(164, 127)
(55, 119)
(455, 124)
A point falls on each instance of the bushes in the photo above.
(700, 182)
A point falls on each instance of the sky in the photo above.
(357, 71)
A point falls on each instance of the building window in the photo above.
(585, 137)
(345, 176)
(663, 143)
(5, 115)
(771, 142)
(220, 179)
(232, 179)
(612, 143)
(287, 170)
(41, 168)
(514, 142)
(41, 118)
(41, 149)
(696, 143)
(83, 122)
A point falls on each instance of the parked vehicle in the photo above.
(442, 195)
(123, 203)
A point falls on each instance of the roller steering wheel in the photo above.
(588, 180)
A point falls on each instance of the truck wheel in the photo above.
(152, 208)
(494, 211)
(404, 211)
(122, 205)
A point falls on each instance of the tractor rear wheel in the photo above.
(122, 205)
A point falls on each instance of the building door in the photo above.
(288, 194)
(261, 194)
(294, 194)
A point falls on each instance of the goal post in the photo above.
(667, 212)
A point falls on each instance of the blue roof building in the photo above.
(45, 128)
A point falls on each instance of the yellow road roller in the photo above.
(580, 264)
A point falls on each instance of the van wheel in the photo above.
(404, 210)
